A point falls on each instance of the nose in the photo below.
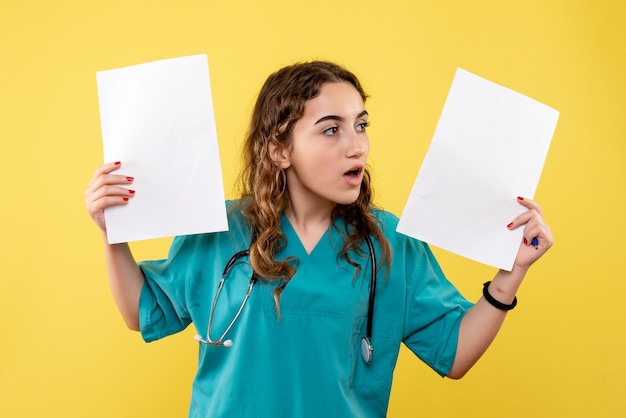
(357, 144)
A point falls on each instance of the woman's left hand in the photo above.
(534, 228)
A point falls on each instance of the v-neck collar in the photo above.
(294, 241)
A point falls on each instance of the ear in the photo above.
(278, 154)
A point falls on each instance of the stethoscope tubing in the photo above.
(366, 347)
(231, 262)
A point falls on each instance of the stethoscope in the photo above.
(367, 350)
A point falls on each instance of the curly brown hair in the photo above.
(264, 194)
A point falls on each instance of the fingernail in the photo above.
(510, 225)
(525, 240)
(118, 162)
(125, 199)
(520, 198)
(131, 191)
(130, 178)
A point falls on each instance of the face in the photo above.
(326, 157)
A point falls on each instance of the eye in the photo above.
(330, 131)
(361, 127)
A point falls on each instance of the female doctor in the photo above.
(301, 306)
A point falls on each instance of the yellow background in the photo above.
(64, 351)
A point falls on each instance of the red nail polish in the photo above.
(131, 191)
(118, 162)
(525, 241)
(125, 199)
(130, 178)
(520, 198)
(510, 225)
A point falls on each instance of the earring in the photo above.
(281, 180)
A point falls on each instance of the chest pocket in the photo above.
(371, 378)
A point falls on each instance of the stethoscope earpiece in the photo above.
(226, 343)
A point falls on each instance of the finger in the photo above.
(529, 203)
(106, 169)
(538, 242)
(534, 209)
(524, 219)
(102, 203)
(538, 234)
(96, 208)
(102, 179)
(109, 179)
(106, 197)
(107, 191)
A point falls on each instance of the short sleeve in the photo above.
(434, 309)
(172, 286)
(162, 304)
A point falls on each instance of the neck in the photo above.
(309, 221)
(307, 216)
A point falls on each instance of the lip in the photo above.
(354, 175)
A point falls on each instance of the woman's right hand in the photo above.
(105, 190)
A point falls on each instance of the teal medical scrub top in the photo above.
(307, 362)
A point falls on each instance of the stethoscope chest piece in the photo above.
(367, 351)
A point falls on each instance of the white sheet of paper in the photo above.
(489, 147)
(157, 119)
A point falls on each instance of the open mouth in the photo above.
(354, 173)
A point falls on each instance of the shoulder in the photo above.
(237, 234)
(236, 212)
(387, 222)
(399, 242)
(386, 219)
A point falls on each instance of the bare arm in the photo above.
(125, 276)
(481, 323)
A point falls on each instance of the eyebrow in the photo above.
(340, 118)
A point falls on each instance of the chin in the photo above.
(348, 200)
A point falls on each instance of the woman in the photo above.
(307, 341)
